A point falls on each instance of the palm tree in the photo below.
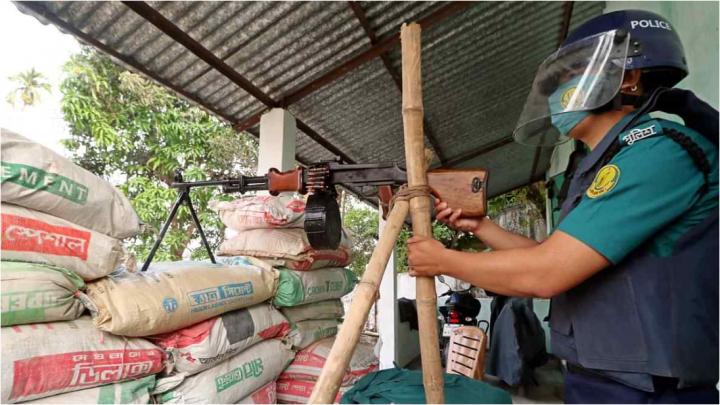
(29, 86)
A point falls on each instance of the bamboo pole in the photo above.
(328, 383)
(426, 300)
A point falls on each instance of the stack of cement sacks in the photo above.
(62, 228)
(271, 229)
(296, 383)
(216, 324)
(311, 281)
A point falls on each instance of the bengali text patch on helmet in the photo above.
(605, 180)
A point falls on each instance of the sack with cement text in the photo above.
(128, 392)
(45, 359)
(288, 247)
(305, 287)
(33, 292)
(263, 211)
(230, 380)
(304, 333)
(328, 309)
(265, 395)
(309, 362)
(173, 295)
(31, 236)
(35, 177)
(298, 392)
(204, 345)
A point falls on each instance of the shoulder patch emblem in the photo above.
(605, 180)
(638, 134)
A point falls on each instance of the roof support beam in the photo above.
(163, 24)
(487, 148)
(564, 28)
(362, 19)
(382, 46)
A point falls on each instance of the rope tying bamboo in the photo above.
(407, 193)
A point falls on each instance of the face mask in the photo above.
(564, 122)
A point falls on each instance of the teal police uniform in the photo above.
(648, 193)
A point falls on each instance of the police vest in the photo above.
(646, 316)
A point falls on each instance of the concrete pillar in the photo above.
(277, 141)
(387, 317)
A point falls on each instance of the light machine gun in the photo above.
(460, 188)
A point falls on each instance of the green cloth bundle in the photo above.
(399, 386)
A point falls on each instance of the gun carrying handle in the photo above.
(288, 181)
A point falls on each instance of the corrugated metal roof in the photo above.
(477, 67)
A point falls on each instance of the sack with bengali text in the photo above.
(305, 287)
(173, 295)
(31, 236)
(45, 359)
(33, 292)
(229, 381)
(205, 344)
(35, 177)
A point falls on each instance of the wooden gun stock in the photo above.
(465, 189)
(290, 180)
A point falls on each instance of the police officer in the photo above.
(632, 269)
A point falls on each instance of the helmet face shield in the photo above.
(579, 77)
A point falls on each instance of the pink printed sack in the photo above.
(261, 212)
(45, 359)
(308, 363)
(265, 395)
(287, 247)
(205, 344)
(298, 392)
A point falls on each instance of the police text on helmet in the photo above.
(651, 24)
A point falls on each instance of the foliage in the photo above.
(30, 85)
(137, 134)
(362, 222)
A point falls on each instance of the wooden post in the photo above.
(426, 299)
(328, 383)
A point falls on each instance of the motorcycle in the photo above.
(460, 309)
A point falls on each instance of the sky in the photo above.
(27, 43)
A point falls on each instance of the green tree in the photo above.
(29, 87)
(136, 134)
(362, 222)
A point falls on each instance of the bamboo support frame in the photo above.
(328, 383)
(426, 299)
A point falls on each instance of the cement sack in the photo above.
(33, 292)
(265, 395)
(128, 392)
(171, 296)
(298, 392)
(328, 309)
(308, 363)
(205, 344)
(261, 212)
(31, 236)
(287, 247)
(35, 177)
(231, 380)
(305, 333)
(305, 287)
(45, 359)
